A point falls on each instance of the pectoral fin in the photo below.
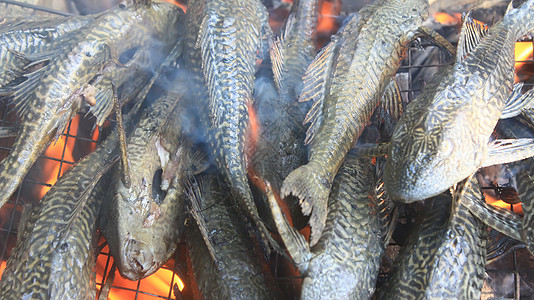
(517, 103)
(508, 150)
(392, 100)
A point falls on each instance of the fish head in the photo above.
(427, 156)
(148, 216)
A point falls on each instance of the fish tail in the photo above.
(15, 166)
(312, 189)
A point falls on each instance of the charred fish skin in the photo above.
(230, 38)
(45, 111)
(443, 136)
(54, 255)
(362, 58)
(236, 272)
(280, 147)
(144, 220)
(447, 259)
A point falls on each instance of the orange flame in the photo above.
(447, 19)
(523, 52)
(516, 208)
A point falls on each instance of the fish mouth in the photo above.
(139, 260)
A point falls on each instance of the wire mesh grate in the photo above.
(505, 279)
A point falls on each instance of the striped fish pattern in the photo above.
(50, 97)
(351, 74)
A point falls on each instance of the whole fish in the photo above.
(23, 40)
(444, 135)
(344, 263)
(230, 37)
(280, 146)
(145, 215)
(224, 264)
(54, 256)
(345, 82)
(446, 258)
(50, 96)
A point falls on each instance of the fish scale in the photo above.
(54, 254)
(467, 99)
(446, 257)
(230, 40)
(365, 55)
(55, 99)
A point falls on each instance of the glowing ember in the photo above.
(523, 53)
(447, 19)
(516, 208)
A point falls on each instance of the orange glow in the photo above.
(327, 19)
(183, 7)
(2, 267)
(254, 130)
(523, 52)
(516, 208)
(155, 284)
(447, 19)
(58, 150)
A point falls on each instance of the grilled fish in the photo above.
(346, 82)
(344, 263)
(447, 257)
(443, 136)
(21, 39)
(280, 146)
(230, 38)
(54, 255)
(224, 264)
(145, 217)
(49, 98)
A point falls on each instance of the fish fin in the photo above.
(35, 59)
(8, 131)
(437, 39)
(312, 192)
(23, 93)
(500, 219)
(103, 106)
(194, 195)
(200, 162)
(505, 151)
(277, 52)
(392, 100)
(470, 36)
(387, 210)
(295, 242)
(315, 82)
(518, 102)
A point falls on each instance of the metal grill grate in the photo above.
(509, 278)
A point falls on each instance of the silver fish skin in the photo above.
(444, 134)
(47, 108)
(54, 256)
(231, 270)
(144, 220)
(344, 263)
(230, 37)
(346, 82)
(446, 258)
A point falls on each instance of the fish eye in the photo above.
(447, 147)
(123, 4)
(157, 193)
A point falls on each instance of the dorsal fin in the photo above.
(315, 82)
(470, 36)
(277, 52)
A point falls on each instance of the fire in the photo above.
(516, 208)
(62, 151)
(254, 130)
(447, 19)
(523, 57)
(156, 284)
